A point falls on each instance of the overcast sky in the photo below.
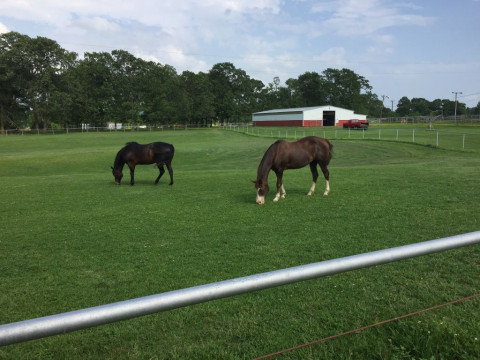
(412, 48)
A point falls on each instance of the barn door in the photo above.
(329, 118)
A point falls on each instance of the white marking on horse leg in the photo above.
(284, 193)
(327, 188)
(312, 189)
(277, 196)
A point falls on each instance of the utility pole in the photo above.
(381, 110)
(456, 93)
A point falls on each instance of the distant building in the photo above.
(308, 116)
(114, 126)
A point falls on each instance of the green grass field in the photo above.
(70, 239)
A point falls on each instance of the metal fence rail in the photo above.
(104, 314)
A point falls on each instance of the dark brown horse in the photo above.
(283, 155)
(133, 154)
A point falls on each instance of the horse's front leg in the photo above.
(280, 189)
(132, 177)
(313, 169)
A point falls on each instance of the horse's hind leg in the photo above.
(162, 171)
(313, 169)
(170, 171)
(326, 174)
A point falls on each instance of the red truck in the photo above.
(356, 124)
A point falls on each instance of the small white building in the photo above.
(308, 116)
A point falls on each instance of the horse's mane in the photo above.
(266, 162)
(119, 159)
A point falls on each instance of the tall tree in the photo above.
(310, 86)
(91, 82)
(404, 106)
(235, 93)
(344, 88)
(198, 97)
(13, 76)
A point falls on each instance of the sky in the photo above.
(419, 49)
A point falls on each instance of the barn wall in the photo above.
(313, 123)
(316, 114)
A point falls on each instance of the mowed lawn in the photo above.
(71, 239)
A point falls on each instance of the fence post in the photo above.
(463, 142)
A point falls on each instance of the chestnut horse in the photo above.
(283, 155)
(133, 154)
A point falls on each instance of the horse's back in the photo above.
(162, 147)
(320, 148)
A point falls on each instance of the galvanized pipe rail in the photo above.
(80, 319)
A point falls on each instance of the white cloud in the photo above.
(266, 38)
(333, 57)
(357, 18)
(3, 29)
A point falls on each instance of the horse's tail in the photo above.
(330, 150)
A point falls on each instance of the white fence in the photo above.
(454, 140)
(104, 314)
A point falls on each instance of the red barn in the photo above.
(308, 116)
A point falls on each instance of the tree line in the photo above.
(43, 85)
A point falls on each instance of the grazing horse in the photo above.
(133, 154)
(283, 155)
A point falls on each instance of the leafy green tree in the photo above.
(235, 93)
(128, 89)
(404, 106)
(47, 61)
(34, 68)
(311, 88)
(199, 98)
(344, 88)
(164, 97)
(420, 107)
(476, 109)
(12, 76)
(91, 83)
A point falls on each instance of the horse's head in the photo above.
(262, 190)
(117, 174)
